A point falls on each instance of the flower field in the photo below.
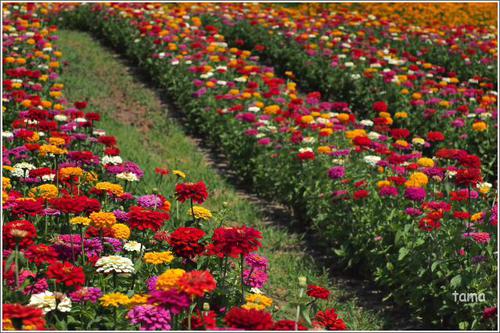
(376, 126)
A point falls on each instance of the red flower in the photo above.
(20, 317)
(206, 320)
(361, 194)
(435, 136)
(97, 232)
(185, 241)
(232, 241)
(80, 105)
(162, 172)
(306, 155)
(75, 205)
(197, 283)
(66, 273)
(317, 292)
(194, 191)
(380, 106)
(487, 312)
(428, 224)
(142, 219)
(41, 254)
(21, 231)
(470, 161)
(27, 207)
(108, 141)
(362, 141)
(468, 177)
(287, 325)
(248, 320)
(112, 151)
(329, 320)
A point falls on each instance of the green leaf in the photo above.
(434, 265)
(403, 252)
(456, 281)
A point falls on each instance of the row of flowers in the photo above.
(82, 251)
(346, 55)
(417, 216)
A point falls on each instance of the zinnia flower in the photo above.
(66, 273)
(317, 292)
(185, 242)
(158, 258)
(115, 264)
(20, 232)
(197, 283)
(234, 241)
(27, 318)
(150, 318)
(329, 320)
(194, 191)
(248, 320)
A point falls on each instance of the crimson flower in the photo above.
(66, 273)
(317, 292)
(233, 241)
(194, 191)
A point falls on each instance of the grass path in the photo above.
(146, 135)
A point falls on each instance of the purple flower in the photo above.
(150, 318)
(415, 194)
(413, 211)
(256, 261)
(86, 294)
(388, 191)
(150, 201)
(39, 286)
(151, 283)
(121, 215)
(264, 141)
(336, 172)
(255, 278)
(173, 300)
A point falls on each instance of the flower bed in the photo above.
(84, 250)
(413, 212)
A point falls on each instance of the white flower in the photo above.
(256, 291)
(60, 117)
(307, 149)
(21, 169)
(81, 120)
(99, 132)
(372, 160)
(349, 64)
(254, 109)
(128, 176)
(373, 135)
(309, 139)
(45, 301)
(115, 264)
(241, 79)
(366, 122)
(115, 160)
(48, 301)
(7, 134)
(132, 246)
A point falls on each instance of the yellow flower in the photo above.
(383, 183)
(46, 191)
(271, 109)
(480, 126)
(418, 141)
(355, 133)
(80, 220)
(168, 280)
(417, 179)
(138, 299)
(425, 162)
(71, 171)
(103, 219)
(307, 119)
(343, 117)
(401, 115)
(200, 213)
(179, 173)
(116, 189)
(324, 150)
(57, 141)
(257, 302)
(121, 231)
(476, 217)
(6, 183)
(158, 258)
(114, 299)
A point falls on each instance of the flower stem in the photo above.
(16, 259)
(242, 282)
